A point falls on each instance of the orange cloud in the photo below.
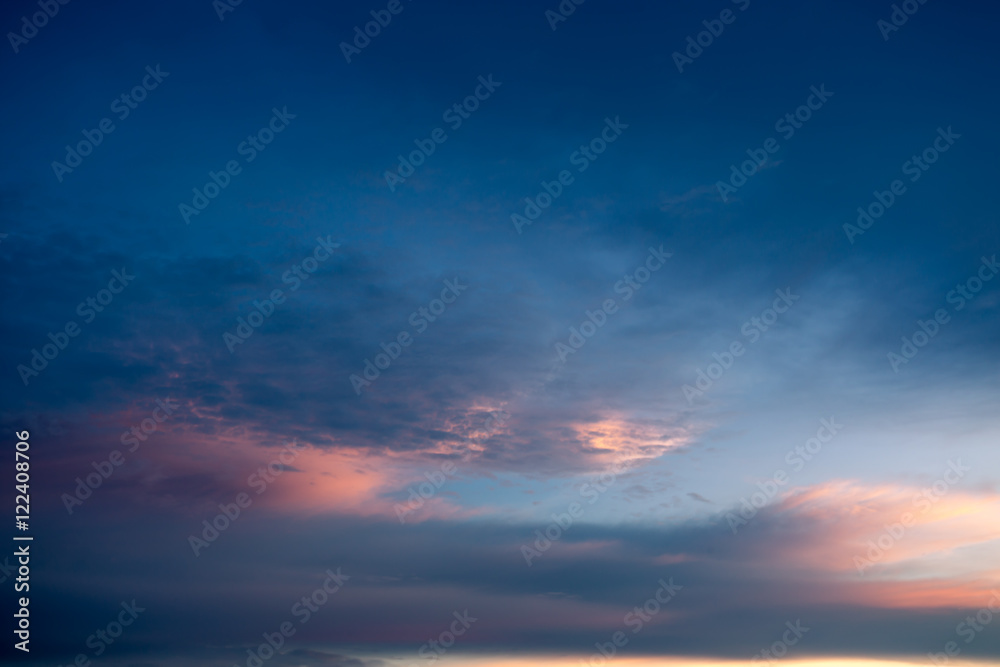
(895, 546)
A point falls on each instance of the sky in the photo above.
(502, 334)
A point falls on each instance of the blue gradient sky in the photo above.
(686, 465)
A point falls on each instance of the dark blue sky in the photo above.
(690, 377)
